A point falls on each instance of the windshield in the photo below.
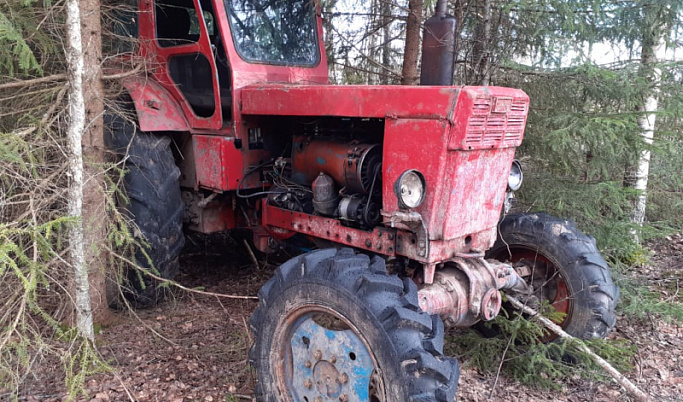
(275, 31)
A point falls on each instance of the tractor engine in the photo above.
(335, 178)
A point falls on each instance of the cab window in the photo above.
(275, 31)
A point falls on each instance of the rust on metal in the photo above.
(330, 229)
(347, 163)
(466, 290)
(156, 109)
(218, 162)
(210, 214)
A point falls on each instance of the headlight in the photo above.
(516, 177)
(410, 189)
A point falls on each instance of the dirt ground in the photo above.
(200, 352)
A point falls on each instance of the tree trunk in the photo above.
(93, 152)
(411, 54)
(653, 47)
(74, 53)
(328, 27)
(386, 44)
(371, 34)
(482, 47)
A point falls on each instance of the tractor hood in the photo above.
(351, 101)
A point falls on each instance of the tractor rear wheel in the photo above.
(566, 270)
(334, 325)
(154, 204)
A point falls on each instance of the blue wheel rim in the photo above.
(323, 362)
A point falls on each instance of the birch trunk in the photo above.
(74, 54)
(652, 51)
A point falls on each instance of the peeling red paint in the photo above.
(157, 110)
(349, 101)
(218, 163)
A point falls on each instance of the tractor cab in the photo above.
(206, 50)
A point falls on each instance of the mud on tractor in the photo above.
(400, 189)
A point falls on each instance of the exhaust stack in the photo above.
(438, 48)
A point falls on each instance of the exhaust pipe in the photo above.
(438, 48)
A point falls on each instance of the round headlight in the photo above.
(410, 189)
(516, 177)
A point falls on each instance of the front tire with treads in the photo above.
(566, 270)
(334, 324)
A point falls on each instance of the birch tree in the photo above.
(652, 50)
(77, 113)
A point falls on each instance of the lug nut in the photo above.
(308, 364)
(344, 398)
(308, 383)
(317, 355)
(333, 359)
(318, 399)
(344, 378)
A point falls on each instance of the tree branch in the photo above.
(620, 378)
(176, 284)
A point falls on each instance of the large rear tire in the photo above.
(154, 204)
(567, 270)
(334, 324)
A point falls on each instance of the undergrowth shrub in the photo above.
(639, 301)
(519, 354)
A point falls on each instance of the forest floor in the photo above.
(200, 353)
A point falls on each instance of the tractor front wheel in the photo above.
(565, 269)
(334, 325)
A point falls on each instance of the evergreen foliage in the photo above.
(516, 350)
(583, 120)
(26, 38)
(35, 306)
(637, 300)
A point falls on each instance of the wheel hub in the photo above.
(330, 362)
(327, 379)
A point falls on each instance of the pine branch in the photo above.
(618, 377)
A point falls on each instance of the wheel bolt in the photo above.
(344, 398)
(344, 378)
(308, 364)
(308, 383)
(333, 359)
(318, 399)
(317, 355)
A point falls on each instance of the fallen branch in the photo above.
(176, 284)
(251, 253)
(620, 378)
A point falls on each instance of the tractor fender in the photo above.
(156, 108)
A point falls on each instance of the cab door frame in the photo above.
(160, 56)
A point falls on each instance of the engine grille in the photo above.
(496, 122)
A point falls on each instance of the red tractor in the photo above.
(400, 188)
